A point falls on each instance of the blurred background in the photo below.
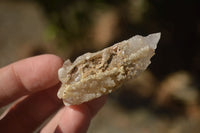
(164, 99)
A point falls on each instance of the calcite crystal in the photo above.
(95, 74)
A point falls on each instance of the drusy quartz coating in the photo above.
(95, 74)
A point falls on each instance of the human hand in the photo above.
(34, 83)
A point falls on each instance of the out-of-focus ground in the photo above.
(164, 99)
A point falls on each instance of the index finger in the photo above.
(28, 76)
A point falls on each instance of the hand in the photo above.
(34, 83)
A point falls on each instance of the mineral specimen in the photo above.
(95, 74)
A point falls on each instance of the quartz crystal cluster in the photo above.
(95, 74)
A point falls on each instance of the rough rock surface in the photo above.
(95, 74)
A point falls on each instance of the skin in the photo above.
(33, 83)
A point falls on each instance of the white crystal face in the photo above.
(152, 40)
(95, 74)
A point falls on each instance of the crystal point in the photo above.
(153, 39)
(95, 74)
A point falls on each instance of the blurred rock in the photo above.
(180, 86)
(138, 92)
(22, 27)
(105, 27)
(145, 84)
(113, 119)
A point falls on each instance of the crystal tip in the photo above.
(152, 39)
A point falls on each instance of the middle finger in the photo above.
(27, 115)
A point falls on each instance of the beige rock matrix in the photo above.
(95, 74)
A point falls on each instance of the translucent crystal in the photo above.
(95, 74)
